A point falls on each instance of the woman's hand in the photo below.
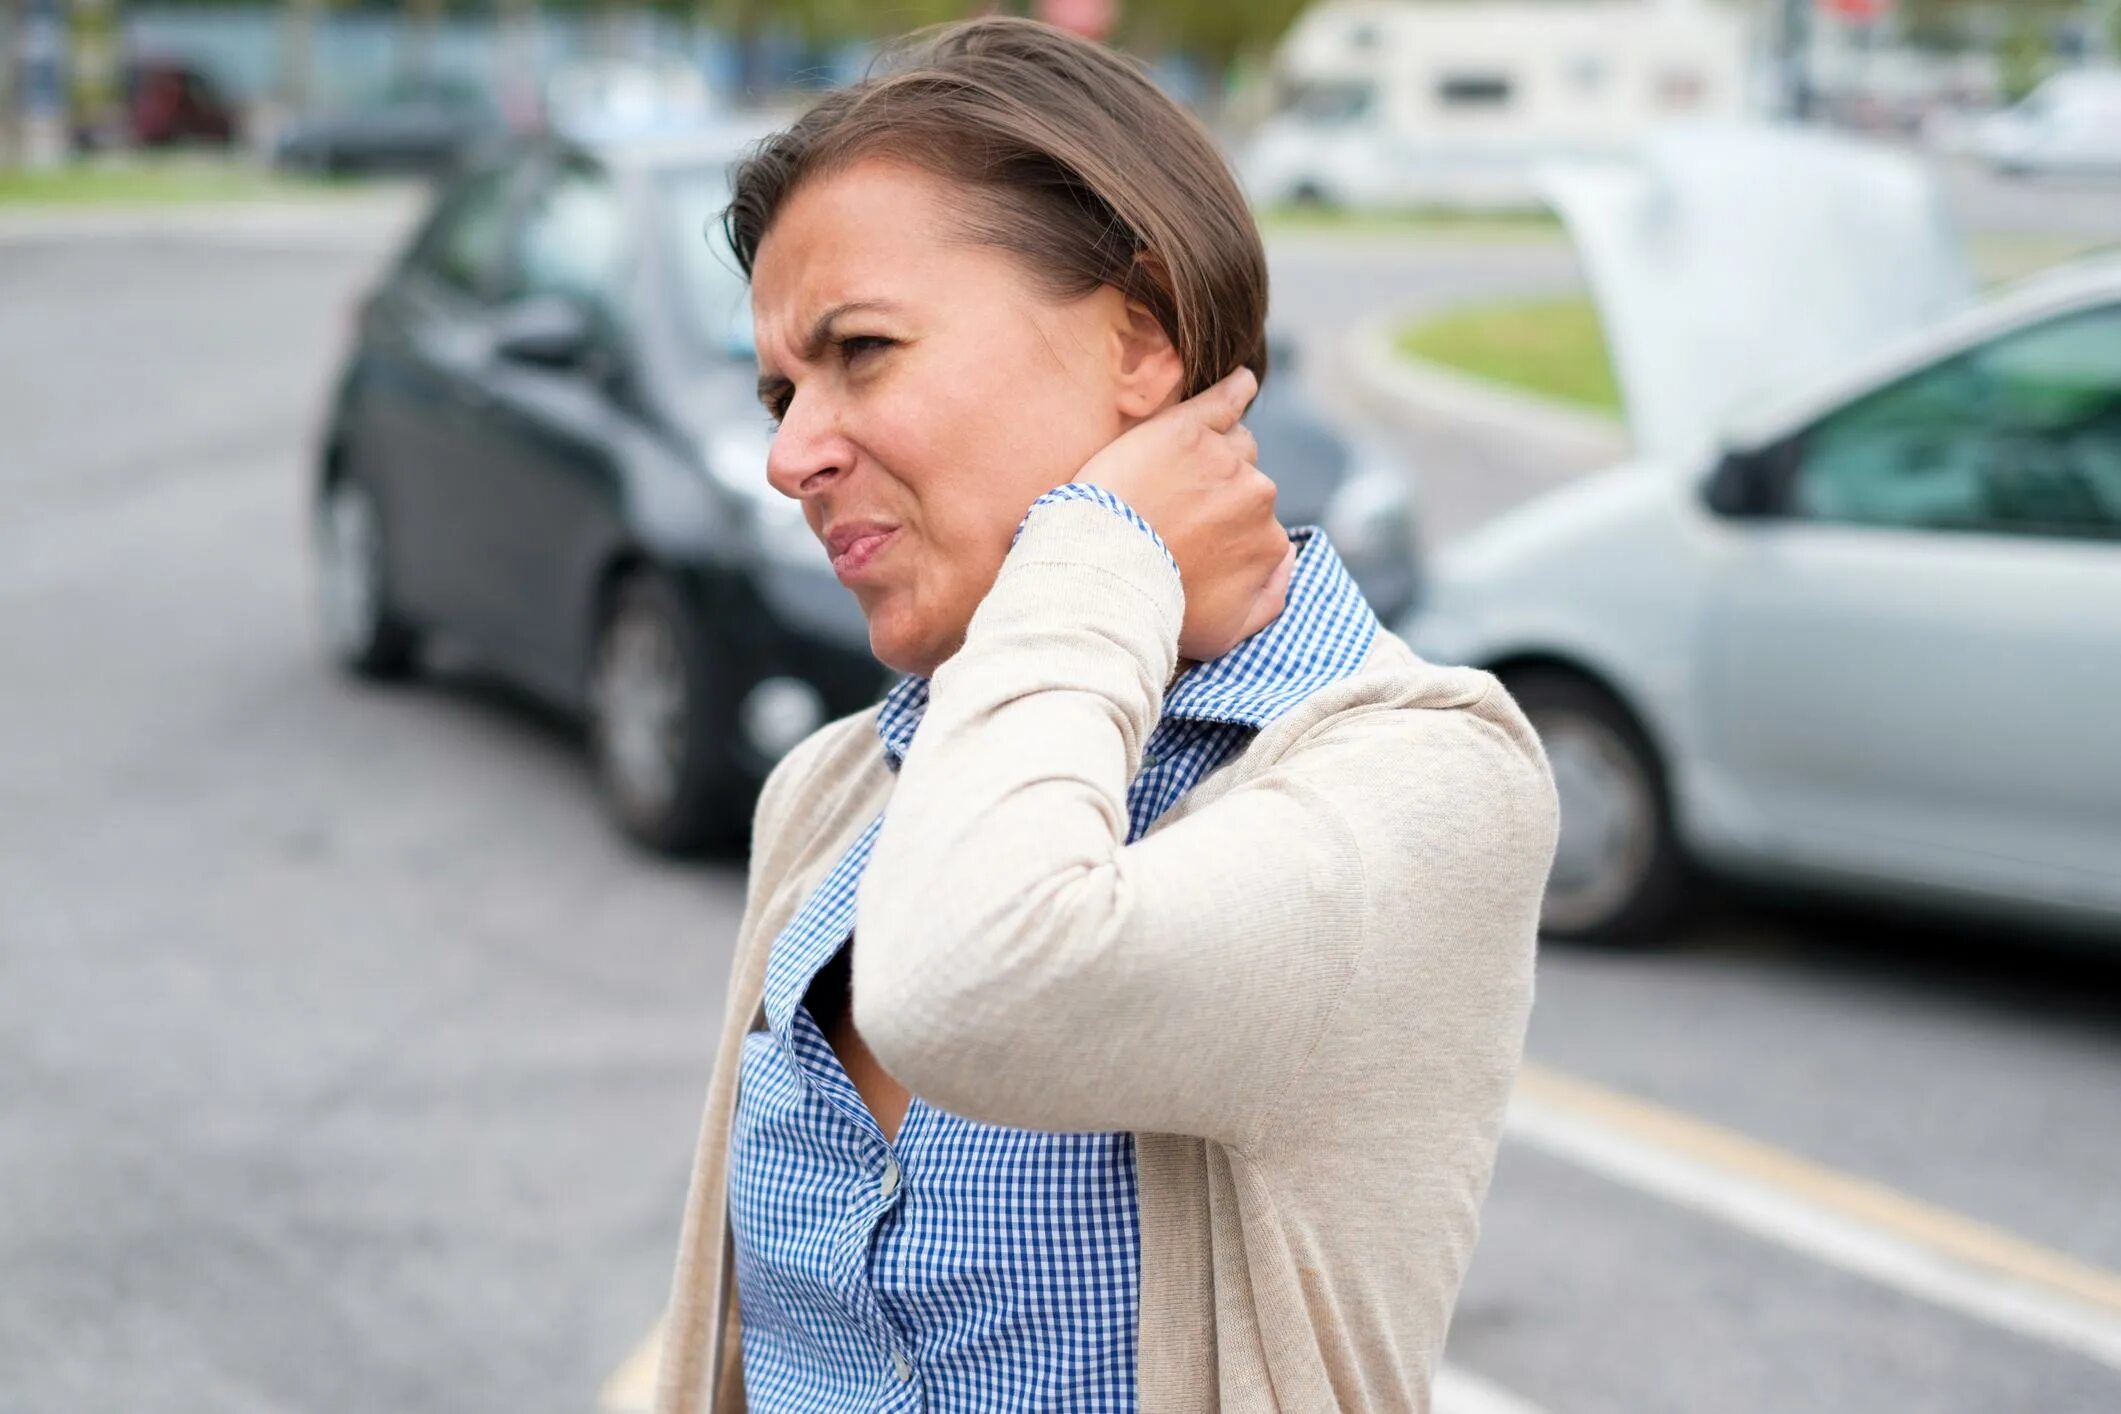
(1191, 472)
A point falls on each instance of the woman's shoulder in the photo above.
(1399, 701)
(1404, 747)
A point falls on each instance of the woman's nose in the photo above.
(805, 454)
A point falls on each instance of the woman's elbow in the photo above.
(956, 1011)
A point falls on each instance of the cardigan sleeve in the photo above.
(1018, 962)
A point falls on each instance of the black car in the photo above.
(417, 127)
(546, 444)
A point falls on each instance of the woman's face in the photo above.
(928, 393)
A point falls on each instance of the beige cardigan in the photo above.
(1304, 990)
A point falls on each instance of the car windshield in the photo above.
(711, 289)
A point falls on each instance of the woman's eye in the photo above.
(855, 344)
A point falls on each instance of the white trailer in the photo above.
(1452, 103)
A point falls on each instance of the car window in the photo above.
(1332, 104)
(572, 243)
(2020, 436)
(714, 300)
(464, 242)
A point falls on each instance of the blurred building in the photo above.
(1453, 103)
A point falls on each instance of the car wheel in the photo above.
(364, 634)
(1619, 875)
(659, 723)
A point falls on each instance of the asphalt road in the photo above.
(350, 1063)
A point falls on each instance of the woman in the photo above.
(1124, 1010)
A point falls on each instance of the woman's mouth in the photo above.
(860, 553)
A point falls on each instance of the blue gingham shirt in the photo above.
(968, 1267)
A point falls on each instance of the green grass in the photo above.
(1554, 348)
(152, 182)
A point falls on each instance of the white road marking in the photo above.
(1859, 1227)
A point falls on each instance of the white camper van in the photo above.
(1451, 103)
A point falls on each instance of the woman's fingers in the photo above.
(1222, 405)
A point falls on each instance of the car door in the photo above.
(421, 404)
(1911, 670)
(547, 470)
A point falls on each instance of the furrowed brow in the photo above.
(821, 331)
(773, 386)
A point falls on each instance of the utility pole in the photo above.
(1796, 57)
(41, 43)
(10, 65)
(93, 91)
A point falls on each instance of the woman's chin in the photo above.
(904, 646)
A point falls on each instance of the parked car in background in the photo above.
(169, 102)
(1852, 618)
(2071, 124)
(546, 443)
(422, 127)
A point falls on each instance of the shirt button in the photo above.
(888, 1183)
(901, 1366)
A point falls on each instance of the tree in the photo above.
(1958, 24)
(1217, 33)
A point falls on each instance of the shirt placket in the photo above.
(874, 1173)
(872, 1193)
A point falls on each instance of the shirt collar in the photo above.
(1322, 636)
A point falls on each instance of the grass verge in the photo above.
(153, 182)
(1554, 348)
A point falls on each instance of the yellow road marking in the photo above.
(1939, 1230)
(631, 1388)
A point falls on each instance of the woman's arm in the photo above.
(1019, 963)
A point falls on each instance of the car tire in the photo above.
(660, 721)
(363, 630)
(1620, 877)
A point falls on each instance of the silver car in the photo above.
(1852, 617)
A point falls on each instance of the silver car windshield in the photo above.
(715, 298)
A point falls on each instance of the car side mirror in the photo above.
(545, 332)
(1743, 485)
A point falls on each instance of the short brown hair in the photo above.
(1078, 164)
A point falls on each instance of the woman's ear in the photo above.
(1148, 371)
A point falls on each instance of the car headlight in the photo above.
(736, 459)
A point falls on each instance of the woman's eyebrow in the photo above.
(814, 342)
(821, 331)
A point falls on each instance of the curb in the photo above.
(1565, 435)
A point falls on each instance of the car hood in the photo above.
(1727, 259)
